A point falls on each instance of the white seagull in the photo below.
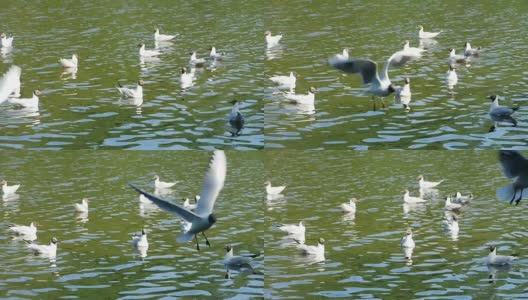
(69, 63)
(459, 198)
(10, 83)
(236, 119)
(514, 166)
(403, 94)
(271, 40)
(32, 102)
(141, 244)
(427, 35)
(411, 199)
(468, 51)
(186, 78)
(343, 55)
(162, 37)
(453, 57)
(285, 81)
(273, 190)
(6, 42)
(407, 244)
(293, 229)
(499, 260)
(214, 55)
(450, 205)
(425, 185)
(412, 51)
(349, 207)
(24, 230)
(451, 77)
(147, 53)
(131, 93)
(499, 113)
(204, 218)
(44, 250)
(158, 184)
(9, 190)
(187, 204)
(236, 263)
(195, 61)
(451, 225)
(303, 99)
(83, 206)
(318, 250)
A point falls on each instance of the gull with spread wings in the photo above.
(203, 218)
(514, 166)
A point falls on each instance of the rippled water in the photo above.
(85, 111)
(363, 254)
(343, 119)
(95, 257)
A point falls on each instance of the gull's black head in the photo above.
(183, 70)
(233, 102)
(492, 97)
(143, 231)
(228, 248)
(492, 248)
(407, 80)
(321, 241)
(312, 90)
(54, 240)
(391, 89)
(212, 219)
(141, 82)
(140, 45)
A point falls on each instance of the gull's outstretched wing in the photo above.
(402, 57)
(212, 184)
(183, 213)
(366, 67)
(513, 163)
(9, 82)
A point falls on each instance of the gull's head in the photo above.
(493, 97)
(312, 90)
(321, 241)
(405, 191)
(492, 248)
(141, 82)
(86, 200)
(212, 219)
(267, 33)
(267, 182)
(54, 240)
(156, 177)
(406, 107)
(420, 27)
(156, 30)
(143, 231)
(408, 231)
(183, 70)
(3, 182)
(37, 93)
(228, 248)
(33, 224)
(3, 35)
(233, 102)
(405, 43)
(140, 45)
(301, 224)
(452, 51)
(451, 67)
(353, 200)
(196, 198)
(212, 49)
(407, 80)
(391, 88)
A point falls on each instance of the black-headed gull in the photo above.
(450, 205)
(494, 259)
(427, 35)
(236, 263)
(412, 51)
(24, 230)
(451, 224)
(285, 81)
(453, 57)
(272, 40)
(131, 93)
(403, 94)
(410, 199)
(215, 55)
(9, 189)
(318, 250)
(459, 198)
(141, 244)
(158, 184)
(343, 55)
(451, 77)
(349, 207)
(32, 102)
(6, 42)
(44, 250)
(236, 119)
(499, 113)
(70, 63)
(424, 185)
(293, 229)
(203, 218)
(83, 206)
(10, 83)
(303, 99)
(186, 78)
(514, 166)
(273, 190)
(468, 51)
(162, 37)
(407, 244)
(195, 61)
(147, 53)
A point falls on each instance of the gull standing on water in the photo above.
(204, 218)
(317, 251)
(158, 184)
(499, 113)
(195, 61)
(410, 199)
(407, 243)
(453, 57)
(425, 185)
(186, 78)
(349, 207)
(499, 260)
(6, 42)
(514, 166)
(30, 230)
(293, 229)
(468, 51)
(403, 94)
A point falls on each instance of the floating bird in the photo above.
(6, 42)
(451, 225)
(147, 53)
(407, 243)
(499, 260)
(214, 55)
(158, 184)
(32, 102)
(308, 99)
(162, 37)
(427, 35)
(186, 78)
(468, 51)
(70, 63)
(342, 56)
(271, 40)
(451, 77)
(462, 199)
(44, 250)
(453, 57)
(514, 166)
(9, 190)
(131, 93)
(195, 61)
(273, 190)
(285, 81)
(187, 204)
(499, 113)
(140, 243)
(204, 218)
(424, 185)
(412, 51)
(24, 230)
(349, 207)
(236, 263)
(403, 94)
(450, 205)
(236, 119)
(313, 250)
(293, 229)
(83, 206)
(411, 199)
(10, 83)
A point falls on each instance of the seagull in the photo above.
(83, 206)
(379, 85)
(30, 230)
(214, 55)
(342, 56)
(451, 77)
(293, 229)
(187, 204)
(236, 263)
(403, 94)
(349, 207)
(285, 81)
(410, 199)
(9, 190)
(10, 83)
(313, 250)
(412, 51)
(5, 42)
(273, 190)
(427, 35)
(186, 78)
(450, 205)
(32, 102)
(45, 250)
(468, 51)
(131, 93)
(453, 57)
(236, 119)
(514, 166)
(407, 243)
(203, 218)
(499, 113)
(462, 199)
(69, 63)
(147, 53)
(308, 99)
(451, 225)
(499, 260)
(140, 243)
(194, 61)
(271, 40)
(162, 37)
(424, 185)
(158, 184)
